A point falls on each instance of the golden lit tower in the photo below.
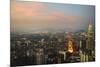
(70, 46)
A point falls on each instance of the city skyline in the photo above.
(40, 16)
(51, 33)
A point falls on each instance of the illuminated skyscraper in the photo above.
(70, 46)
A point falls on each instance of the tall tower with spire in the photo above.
(90, 42)
(90, 37)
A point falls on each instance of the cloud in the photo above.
(37, 10)
(35, 15)
(66, 17)
(29, 10)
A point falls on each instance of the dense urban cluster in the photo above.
(52, 48)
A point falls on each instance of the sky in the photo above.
(31, 16)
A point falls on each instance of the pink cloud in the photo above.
(35, 10)
(26, 10)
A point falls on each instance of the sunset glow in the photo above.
(33, 16)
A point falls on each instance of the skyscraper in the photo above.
(90, 42)
(39, 56)
(90, 38)
(70, 46)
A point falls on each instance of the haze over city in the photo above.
(40, 16)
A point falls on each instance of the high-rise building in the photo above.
(90, 42)
(70, 46)
(90, 38)
(39, 56)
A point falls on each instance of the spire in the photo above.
(90, 28)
